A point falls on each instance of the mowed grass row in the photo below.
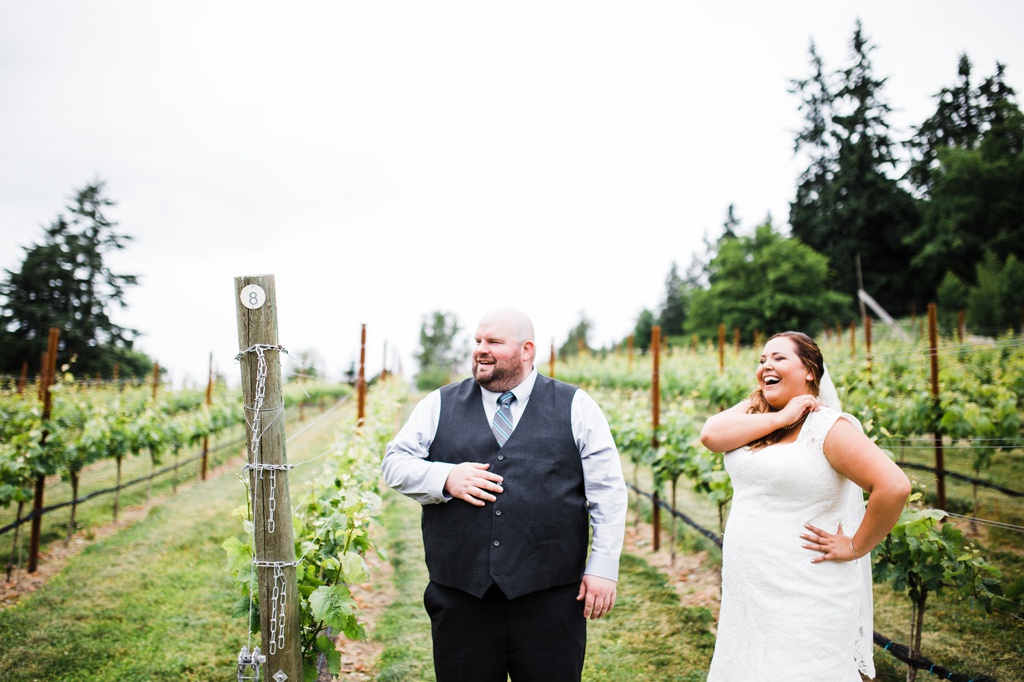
(153, 601)
(649, 635)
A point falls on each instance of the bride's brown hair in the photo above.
(810, 355)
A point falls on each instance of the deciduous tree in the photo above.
(439, 355)
(766, 281)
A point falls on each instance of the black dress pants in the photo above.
(539, 637)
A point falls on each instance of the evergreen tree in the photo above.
(847, 208)
(811, 211)
(65, 283)
(645, 322)
(577, 338)
(955, 123)
(994, 302)
(732, 223)
(674, 308)
(968, 169)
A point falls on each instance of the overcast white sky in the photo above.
(389, 158)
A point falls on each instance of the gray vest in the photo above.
(535, 535)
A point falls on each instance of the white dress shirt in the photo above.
(407, 470)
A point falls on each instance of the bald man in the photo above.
(509, 496)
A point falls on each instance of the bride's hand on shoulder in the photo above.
(798, 408)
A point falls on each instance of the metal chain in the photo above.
(278, 601)
(279, 598)
(272, 502)
(257, 435)
(277, 614)
(261, 391)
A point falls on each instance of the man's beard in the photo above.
(502, 377)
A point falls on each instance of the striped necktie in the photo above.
(502, 424)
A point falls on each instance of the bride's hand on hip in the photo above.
(833, 546)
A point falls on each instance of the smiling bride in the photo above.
(796, 566)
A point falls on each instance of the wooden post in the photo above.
(48, 373)
(629, 353)
(853, 339)
(273, 538)
(551, 362)
(655, 422)
(960, 326)
(736, 338)
(23, 378)
(940, 473)
(156, 378)
(867, 343)
(721, 347)
(209, 402)
(361, 379)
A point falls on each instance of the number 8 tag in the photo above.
(253, 296)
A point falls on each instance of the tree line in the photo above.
(937, 217)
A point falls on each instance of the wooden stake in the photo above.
(721, 347)
(867, 343)
(361, 379)
(940, 472)
(23, 378)
(48, 373)
(655, 422)
(209, 401)
(263, 401)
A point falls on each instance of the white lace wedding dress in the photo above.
(782, 617)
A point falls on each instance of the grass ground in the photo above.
(649, 635)
(152, 601)
(148, 603)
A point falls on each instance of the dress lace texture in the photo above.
(783, 617)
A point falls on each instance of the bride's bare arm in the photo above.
(855, 456)
(734, 428)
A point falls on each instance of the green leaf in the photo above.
(353, 568)
(326, 646)
(333, 606)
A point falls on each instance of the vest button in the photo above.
(496, 543)
(497, 512)
(501, 457)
